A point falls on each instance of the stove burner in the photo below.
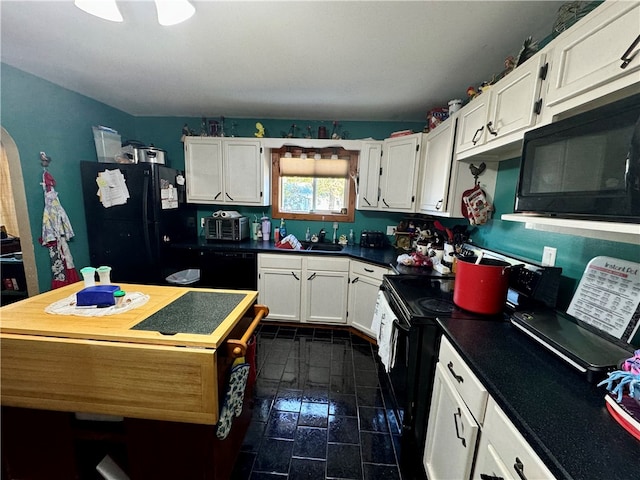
(436, 305)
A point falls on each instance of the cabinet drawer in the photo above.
(330, 264)
(267, 260)
(511, 447)
(467, 384)
(368, 270)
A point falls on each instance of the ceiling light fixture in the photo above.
(106, 9)
(172, 12)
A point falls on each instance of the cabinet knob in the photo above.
(518, 466)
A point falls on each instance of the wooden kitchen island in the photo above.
(158, 371)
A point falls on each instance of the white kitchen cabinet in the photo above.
(364, 283)
(280, 285)
(304, 288)
(586, 60)
(436, 168)
(443, 180)
(325, 290)
(503, 451)
(458, 404)
(369, 175)
(452, 432)
(226, 171)
(399, 174)
(510, 107)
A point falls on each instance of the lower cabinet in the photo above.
(458, 404)
(503, 451)
(304, 288)
(364, 284)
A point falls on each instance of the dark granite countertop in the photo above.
(380, 256)
(560, 414)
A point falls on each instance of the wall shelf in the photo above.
(611, 231)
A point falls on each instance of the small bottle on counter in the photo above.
(351, 238)
(276, 234)
(283, 228)
(307, 236)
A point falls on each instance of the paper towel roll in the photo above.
(227, 214)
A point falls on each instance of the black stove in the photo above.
(421, 298)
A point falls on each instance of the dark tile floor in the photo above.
(320, 410)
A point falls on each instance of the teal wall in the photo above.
(42, 116)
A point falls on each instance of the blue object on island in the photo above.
(98, 296)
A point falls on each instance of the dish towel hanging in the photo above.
(386, 334)
(56, 230)
(233, 400)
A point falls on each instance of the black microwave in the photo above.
(586, 166)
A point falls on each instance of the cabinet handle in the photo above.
(357, 279)
(455, 420)
(453, 372)
(313, 275)
(491, 130)
(216, 197)
(228, 196)
(519, 468)
(295, 276)
(368, 270)
(474, 140)
(365, 199)
(484, 476)
(626, 56)
(385, 203)
(439, 204)
(537, 107)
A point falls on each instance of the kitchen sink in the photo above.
(323, 247)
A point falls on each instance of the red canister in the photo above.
(481, 288)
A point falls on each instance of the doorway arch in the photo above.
(20, 200)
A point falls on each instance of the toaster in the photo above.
(373, 239)
(219, 228)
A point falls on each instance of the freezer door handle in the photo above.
(145, 217)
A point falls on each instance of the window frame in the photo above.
(276, 154)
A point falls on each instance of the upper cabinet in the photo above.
(498, 117)
(226, 171)
(598, 56)
(399, 173)
(369, 175)
(436, 168)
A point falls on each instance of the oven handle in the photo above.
(397, 323)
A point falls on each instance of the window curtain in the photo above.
(7, 207)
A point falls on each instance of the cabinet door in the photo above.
(472, 121)
(203, 169)
(369, 176)
(488, 463)
(587, 58)
(243, 172)
(451, 433)
(324, 297)
(513, 100)
(436, 168)
(363, 292)
(501, 439)
(280, 290)
(399, 173)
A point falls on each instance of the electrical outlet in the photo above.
(549, 256)
(391, 229)
(202, 222)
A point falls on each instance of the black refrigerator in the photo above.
(134, 238)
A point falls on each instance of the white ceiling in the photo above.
(380, 60)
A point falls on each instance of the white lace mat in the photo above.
(67, 306)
